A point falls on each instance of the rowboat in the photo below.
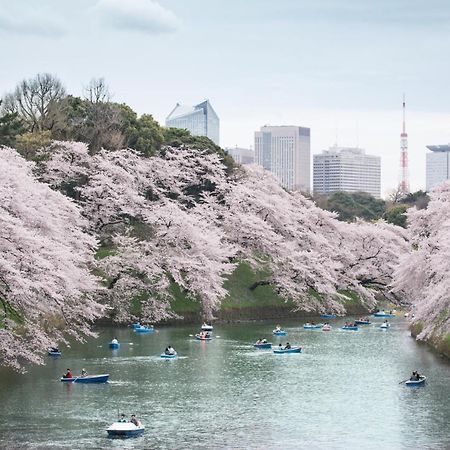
(279, 351)
(362, 322)
(52, 353)
(114, 345)
(136, 325)
(352, 328)
(203, 338)
(328, 316)
(309, 326)
(385, 326)
(87, 379)
(419, 382)
(264, 345)
(125, 429)
(383, 314)
(279, 332)
(169, 356)
(206, 327)
(143, 329)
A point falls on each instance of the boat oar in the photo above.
(403, 381)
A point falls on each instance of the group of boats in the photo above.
(132, 428)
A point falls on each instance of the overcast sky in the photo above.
(339, 67)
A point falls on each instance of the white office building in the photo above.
(346, 169)
(438, 165)
(241, 155)
(200, 120)
(285, 151)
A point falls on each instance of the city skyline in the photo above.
(338, 67)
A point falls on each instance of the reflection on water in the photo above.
(342, 392)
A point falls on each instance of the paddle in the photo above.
(403, 381)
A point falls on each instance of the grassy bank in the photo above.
(243, 303)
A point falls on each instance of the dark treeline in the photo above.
(40, 110)
(351, 206)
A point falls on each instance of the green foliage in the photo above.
(419, 199)
(142, 134)
(349, 206)
(28, 143)
(10, 127)
(396, 215)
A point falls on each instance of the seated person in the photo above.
(171, 350)
(287, 346)
(259, 341)
(264, 341)
(114, 341)
(122, 419)
(68, 374)
(135, 421)
(54, 349)
(83, 372)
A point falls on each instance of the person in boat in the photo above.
(264, 341)
(123, 419)
(258, 342)
(54, 349)
(171, 350)
(134, 420)
(84, 373)
(415, 376)
(68, 374)
(280, 347)
(278, 328)
(287, 346)
(114, 341)
(207, 335)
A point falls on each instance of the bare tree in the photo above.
(97, 91)
(32, 99)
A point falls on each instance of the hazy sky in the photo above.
(337, 66)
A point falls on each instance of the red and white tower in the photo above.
(404, 172)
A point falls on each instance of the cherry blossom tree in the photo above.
(46, 287)
(423, 275)
(179, 217)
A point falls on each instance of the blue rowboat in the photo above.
(202, 338)
(313, 327)
(363, 322)
(124, 430)
(87, 379)
(328, 316)
(279, 351)
(265, 345)
(143, 329)
(51, 353)
(420, 382)
(279, 332)
(206, 327)
(170, 356)
(136, 325)
(383, 314)
(350, 328)
(114, 345)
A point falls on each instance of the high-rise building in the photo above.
(285, 151)
(438, 165)
(241, 155)
(346, 169)
(200, 120)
